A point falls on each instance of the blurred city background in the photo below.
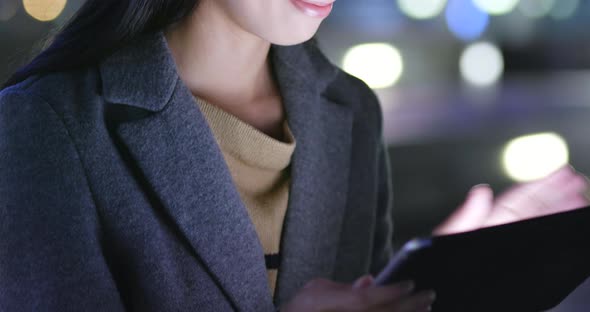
(473, 91)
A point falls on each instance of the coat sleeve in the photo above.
(50, 251)
(382, 244)
(383, 235)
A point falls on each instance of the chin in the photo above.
(292, 41)
(293, 36)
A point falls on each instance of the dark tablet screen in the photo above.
(530, 265)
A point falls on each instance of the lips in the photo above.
(319, 3)
(314, 8)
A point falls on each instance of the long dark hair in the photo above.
(98, 29)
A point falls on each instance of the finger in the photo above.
(559, 176)
(471, 214)
(575, 194)
(569, 194)
(322, 283)
(391, 308)
(573, 182)
(548, 183)
(421, 301)
(374, 297)
(586, 191)
(363, 282)
(324, 294)
(548, 195)
(577, 184)
(507, 214)
(572, 203)
(563, 180)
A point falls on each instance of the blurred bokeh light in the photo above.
(564, 9)
(482, 64)
(535, 156)
(536, 8)
(465, 20)
(44, 10)
(379, 65)
(421, 9)
(496, 7)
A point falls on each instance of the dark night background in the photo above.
(444, 133)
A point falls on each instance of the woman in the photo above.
(200, 155)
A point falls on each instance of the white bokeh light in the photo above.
(379, 65)
(44, 10)
(496, 7)
(564, 9)
(421, 9)
(482, 64)
(534, 156)
(535, 8)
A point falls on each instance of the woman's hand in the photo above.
(561, 191)
(324, 295)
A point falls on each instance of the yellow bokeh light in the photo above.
(421, 9)
(496, 7)
(535, 156)
(379, 65)
(44, 10)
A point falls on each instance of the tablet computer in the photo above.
(530, 265)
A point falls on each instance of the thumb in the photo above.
(471, 214)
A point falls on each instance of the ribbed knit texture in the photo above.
(259, 165)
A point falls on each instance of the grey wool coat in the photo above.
(114, 195)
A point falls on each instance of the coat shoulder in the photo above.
(49, 230)
(356, 94)
(65, 92)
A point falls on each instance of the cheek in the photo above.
(276, 21)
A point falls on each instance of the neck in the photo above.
(218, 60)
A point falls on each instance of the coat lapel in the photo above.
(319, 172)
(172, 150)
(177, 159)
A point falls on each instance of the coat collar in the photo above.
(158, 124)
(147, 65)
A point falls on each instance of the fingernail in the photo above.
(480, 185)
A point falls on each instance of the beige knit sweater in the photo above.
(259, 165)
